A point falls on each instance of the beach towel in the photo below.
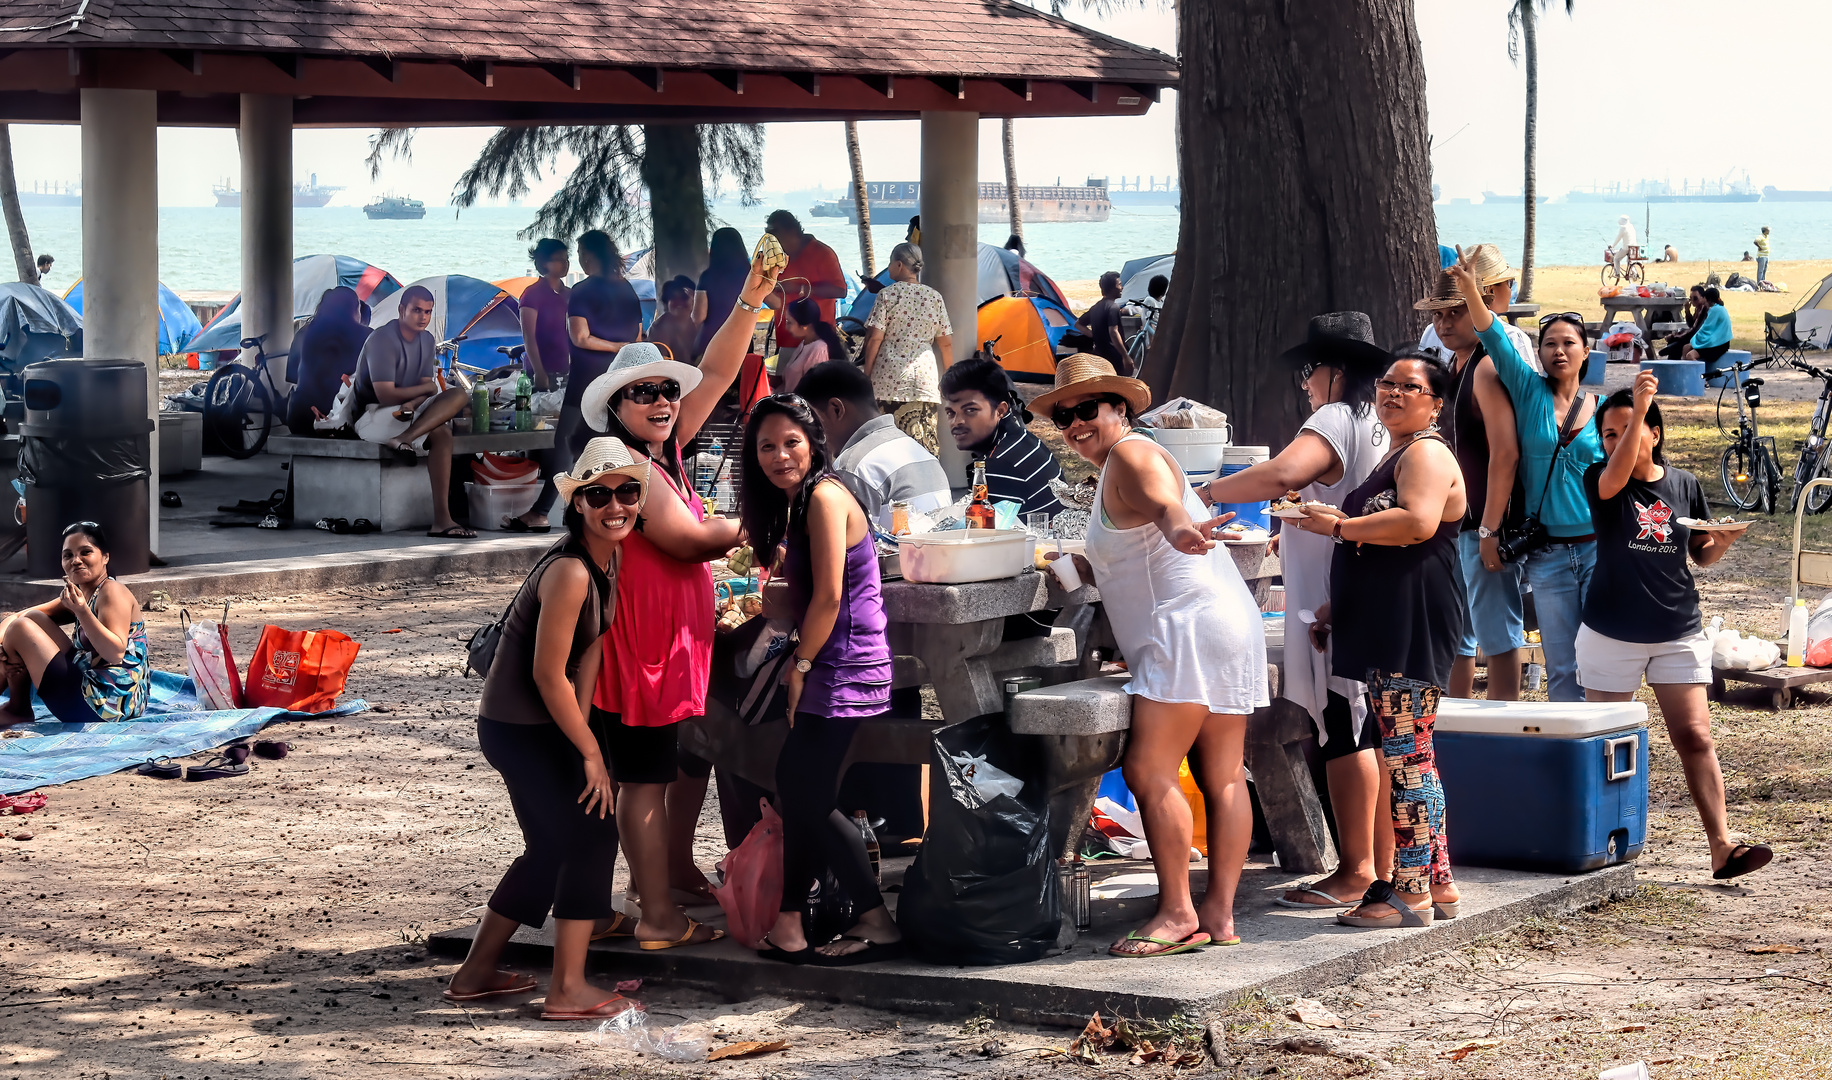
(48, 752)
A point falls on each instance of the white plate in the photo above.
(1292, 514)
(1708, 526)
(1251, 536)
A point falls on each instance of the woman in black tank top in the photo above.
(1397, 607)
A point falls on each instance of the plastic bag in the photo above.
(988, 781)
(300, 670)
(1734, 652)
(343, 409)
(216, 681)
(750, 892)
(631, 1030)
(1819, 635)
(983, 887)
(1182, 412)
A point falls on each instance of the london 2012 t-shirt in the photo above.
(1642, 588)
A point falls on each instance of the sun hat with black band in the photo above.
(1085, 373)
(603, 458)
(1340, 339)
(635, 362)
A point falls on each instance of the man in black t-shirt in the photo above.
(1101, 322)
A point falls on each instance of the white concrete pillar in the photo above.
(121, 242)
(951, 238)
(266, 136)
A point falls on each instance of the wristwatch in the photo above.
(1483, 532)
(804, 665)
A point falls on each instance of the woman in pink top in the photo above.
(820, 342)
(658, 654)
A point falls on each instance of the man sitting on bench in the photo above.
(404, 408)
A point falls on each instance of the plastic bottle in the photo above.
(524, 416)
(480, 408)
(1797, 634)
(872, 850)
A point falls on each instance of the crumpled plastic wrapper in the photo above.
(1182, 412)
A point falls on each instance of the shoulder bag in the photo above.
(1519, 541)
(480, 651)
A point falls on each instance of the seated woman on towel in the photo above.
(98, 673)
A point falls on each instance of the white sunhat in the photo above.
(635, 362)
(603, 457)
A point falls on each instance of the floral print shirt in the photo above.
(911, 317)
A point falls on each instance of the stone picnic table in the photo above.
(1644, 310)
(953, 638)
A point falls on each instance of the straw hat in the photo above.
(1343, 339)
(1085, 373)
(635, 362)
(1489, 265)
(603, 458)
(1444, 295)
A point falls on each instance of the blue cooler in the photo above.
(1560, 787)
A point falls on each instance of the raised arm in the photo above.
(1512, 368)
(1621, 463)
(670, 526)
(106, 628)
(1308, 459)
(724, 355)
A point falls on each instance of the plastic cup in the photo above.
(1635, 1071)
(1066, 574)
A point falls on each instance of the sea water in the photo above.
(200, 247)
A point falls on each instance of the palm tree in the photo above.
(1011, 182)
(861, 202)
(15, 218)
(1523, 36)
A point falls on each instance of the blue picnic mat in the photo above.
(51, 752)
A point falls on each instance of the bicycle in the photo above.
(238, 410)
(1815, 455)
(1634, 268)
(1752, 479)
(1140, 343)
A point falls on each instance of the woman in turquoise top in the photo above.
(1712, 338)
(1559, 571)
(99, 672)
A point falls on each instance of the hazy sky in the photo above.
(1628, 89)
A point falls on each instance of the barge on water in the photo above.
(899, 200)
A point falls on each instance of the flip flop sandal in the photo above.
(238, 751)
(771, 951)
(362, 525)
(601, 1011)
(404, 455)
(170, 498)
(271, 750)
(681, 942)
(163, 768)
(1307, 890)
(456, 532)
(332, 525)
(873, 951)
(622, 926)
(271, 521)
(1744, 859)
(1166, 947)
(517, 525)
(215, 769)
(1404, 914)
(505, 991)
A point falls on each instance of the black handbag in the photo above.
(1519, 541)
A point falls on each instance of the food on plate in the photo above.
(1291, 500)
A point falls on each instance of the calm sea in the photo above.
(200, 247)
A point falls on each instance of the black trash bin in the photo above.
(86, 455)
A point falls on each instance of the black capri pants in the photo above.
(807, 787)
(568, 854)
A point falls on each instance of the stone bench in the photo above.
(352, 478)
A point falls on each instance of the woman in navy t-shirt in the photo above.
(1641, 615)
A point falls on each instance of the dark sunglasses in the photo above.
(1063, 415)
(1561, 316)
(597, 496)
(645, 393)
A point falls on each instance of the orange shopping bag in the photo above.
(301, 670)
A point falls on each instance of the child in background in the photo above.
(674, 327)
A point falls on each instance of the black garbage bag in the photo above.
(79, 461)
(983, 888)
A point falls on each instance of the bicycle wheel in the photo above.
(1769, 472)
(238, 413)
(1819, 498)
(1611, 276)
(1636, 273)
(1738, 470)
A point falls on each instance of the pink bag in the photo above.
(752, 872)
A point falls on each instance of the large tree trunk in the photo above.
(861, 203)
(1529, 38)
(677, 199)
(1306, 189)
(15, 218)
(1011, 181)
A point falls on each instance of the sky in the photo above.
(1628, 89)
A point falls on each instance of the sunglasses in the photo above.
(597, 496)
(645, 393)
(1064, 415)
(1561, 316)
(1408, 389)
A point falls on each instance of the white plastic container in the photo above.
(491, 503)
(1198, 450)
(960, 555)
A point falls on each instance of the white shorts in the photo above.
(377, 424)
(1617, 666)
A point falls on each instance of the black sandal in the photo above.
(771, 951)
(873, 951)
(517, 525)
(162, 768)
(215, 769)
(1744, 859)
(362, 525)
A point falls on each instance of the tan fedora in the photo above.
(1444, 295)
(1085, 373)
(603, 458)
(1489, 265)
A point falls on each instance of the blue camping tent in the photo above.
(36, 325)
(177, 323)
(480, 310)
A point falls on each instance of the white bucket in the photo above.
(1197, 450)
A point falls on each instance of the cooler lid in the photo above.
(1540, 719)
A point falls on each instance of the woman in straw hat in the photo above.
(532, 727)
(658, 655)
(1337, 365)
(1190, 633)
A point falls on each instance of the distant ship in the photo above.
(891, 202)
(52, 194)
(1659, 191)
(310, 194)
(395, 208)
(1774, 194)
(1516, 200)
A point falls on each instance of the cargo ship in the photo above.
(1774, 194)
(1660, 191)
(395, 208)
(893, 201)
(53, 193)
(309, 194)
(1511, 200)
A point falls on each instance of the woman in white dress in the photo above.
(1191, 636)
(1333, 453)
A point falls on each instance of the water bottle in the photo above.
(524, 417)
(1797, 634)
(872, 850)
(480, 408)
(1536, 674)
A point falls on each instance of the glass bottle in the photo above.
(872, 851)
(524, 417)
(979, 512)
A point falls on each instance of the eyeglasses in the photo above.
(1063, 416)
(597, 496)
(1408, 389)
(645, 393)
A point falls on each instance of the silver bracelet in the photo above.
(749, 308)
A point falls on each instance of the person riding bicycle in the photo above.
(1626, 246)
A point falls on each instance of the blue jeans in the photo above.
(1761, 268)
(1496, 620)
(1560, 576)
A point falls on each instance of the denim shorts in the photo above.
(1496, 615)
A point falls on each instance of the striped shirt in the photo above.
(882, 465)
(1019, 469)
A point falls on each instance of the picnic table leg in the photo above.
(1281, 778)
(955, 658)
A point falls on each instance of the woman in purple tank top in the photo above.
(841, 675)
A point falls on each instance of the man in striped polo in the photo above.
(987, 417)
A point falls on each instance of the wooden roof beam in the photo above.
(386, 66)
(570, 74)
(808, 81)
(883, 84)
(652, 77)
(483, 71)
(190, 59)
(289, 63)
(731, 80)
(1089, 90)
(1021, 87)
(954, 85)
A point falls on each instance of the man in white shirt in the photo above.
(877, 461)
(1623, 247)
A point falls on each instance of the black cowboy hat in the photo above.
(1342, 339)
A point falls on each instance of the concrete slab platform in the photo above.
(1282, 951)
